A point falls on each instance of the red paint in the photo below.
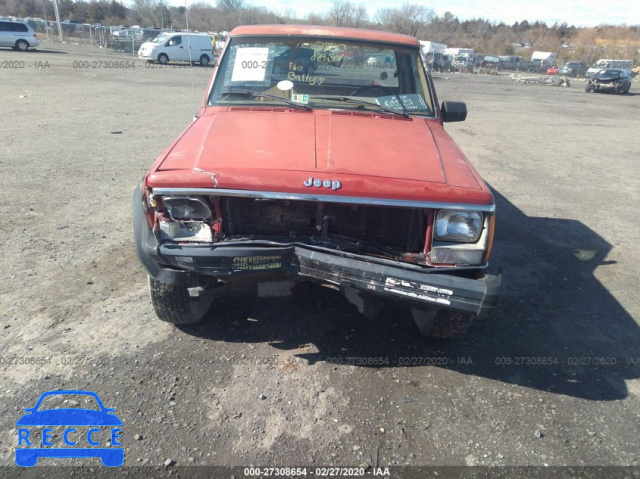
(372, 155)
(279, 148)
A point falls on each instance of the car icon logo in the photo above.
(83, 430)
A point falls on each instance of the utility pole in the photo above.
(55, 7)
(46, 21)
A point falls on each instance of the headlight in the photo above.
(458, 226)
(187, 209)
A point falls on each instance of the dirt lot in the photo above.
(553, 380)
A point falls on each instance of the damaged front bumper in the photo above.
(261, 261)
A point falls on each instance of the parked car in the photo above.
(462, 62)
(488, 63)
(141, 34)
(611, 80)
(553, 70)
(538, 66)
(178, 47)
(17, 35)
(345, 176)
(574, 69)
(512, 63)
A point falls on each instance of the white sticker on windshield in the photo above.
(413, 101)
(250, 64)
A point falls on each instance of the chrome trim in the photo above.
(274, 195)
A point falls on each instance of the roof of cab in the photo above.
(322, 31)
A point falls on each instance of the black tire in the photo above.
(173, 304)
(163, 59)
(442, 324)
(588, 89)
(22, 45)
(204, 60)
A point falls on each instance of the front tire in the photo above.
(163, 59)
(22, 45)
(173, 304)
(441, 324)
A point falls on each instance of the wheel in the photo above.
(588, 89)
(204, 60)
(621, 89)
(173, 303)
(371, 87)
(441, 324)
(163, 59)
(22, 45)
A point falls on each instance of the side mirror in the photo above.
(453, 111)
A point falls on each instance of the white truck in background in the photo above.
(541, 61)
(433, 54)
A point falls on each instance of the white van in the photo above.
(178, 47)
(605, 63)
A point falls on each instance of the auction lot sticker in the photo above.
(250, 64)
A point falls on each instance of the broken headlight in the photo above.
(187, 209)
(458, 226)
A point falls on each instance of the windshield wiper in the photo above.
(362, 103)
(255, 94)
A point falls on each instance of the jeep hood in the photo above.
(279, 149)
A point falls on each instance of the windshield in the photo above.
(161, 38)
(610, 73)
(322, 73)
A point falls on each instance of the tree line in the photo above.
(483, 35)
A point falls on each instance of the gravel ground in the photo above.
(552, 380)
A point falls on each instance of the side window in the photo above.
(175, 41)
(21, 27)
(3, 27)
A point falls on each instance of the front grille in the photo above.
(398, 228)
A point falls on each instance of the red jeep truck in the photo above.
(304, 167)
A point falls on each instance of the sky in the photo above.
(575, 12)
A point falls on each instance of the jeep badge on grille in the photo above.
(318, 183)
